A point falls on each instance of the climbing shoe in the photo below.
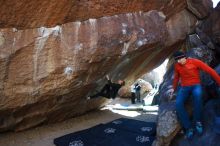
(199, 128)
(189, 134)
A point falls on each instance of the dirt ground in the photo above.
(44, 135)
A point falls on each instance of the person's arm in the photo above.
(176, 78)
(109, 81)
(208, 70)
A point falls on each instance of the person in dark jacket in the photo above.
(110, 89)
(137, 88)
(186, 70)
(133, 96)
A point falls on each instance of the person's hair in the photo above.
(178, 55)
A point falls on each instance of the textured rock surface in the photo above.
(200, 8)
(167, 126)
(31, 13)
(211, 27)
(46, 73)
(179, 25)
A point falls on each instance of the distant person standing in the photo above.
(186, 70)
(110, 89)
(137, 88)
(133, 97)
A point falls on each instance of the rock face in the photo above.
(167, 126)
(200, 8)
(46, 73)
(31, 13)
(211, 27)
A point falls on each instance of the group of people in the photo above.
(186, 70)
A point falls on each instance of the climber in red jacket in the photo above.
(187, 71)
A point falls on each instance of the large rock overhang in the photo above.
(47, 69)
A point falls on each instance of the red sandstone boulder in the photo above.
(46, 73)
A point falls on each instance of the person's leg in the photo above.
(138, 96)
(197, 111)
(96, 95)
(182, 114)
(197, 102)
(104, 92)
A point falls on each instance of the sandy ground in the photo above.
(44, 135)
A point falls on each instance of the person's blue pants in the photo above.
(182, 95)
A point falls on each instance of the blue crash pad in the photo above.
(110, 134)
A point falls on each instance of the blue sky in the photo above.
(215, 2)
